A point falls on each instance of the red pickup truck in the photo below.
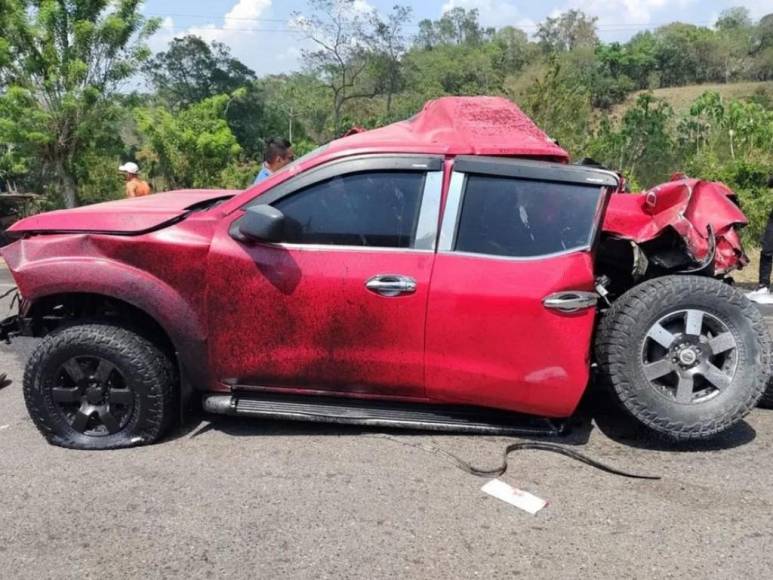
(451, 271)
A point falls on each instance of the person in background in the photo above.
(135, 187)
(762, 294)
(278, 153)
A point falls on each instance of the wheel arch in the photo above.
(88, 287)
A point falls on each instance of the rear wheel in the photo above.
(97, 386)
(686, 356)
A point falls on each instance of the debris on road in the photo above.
(519, 446)
(4, 380)
(521, 499)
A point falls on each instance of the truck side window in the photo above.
(520, 218)
(379, 209)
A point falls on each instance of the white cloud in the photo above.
(620, 19)
(163, 36)
(239, 21)
(759, 8)
(496, 13)
(363, 7)
(263, 45)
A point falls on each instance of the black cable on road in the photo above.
(520, 446)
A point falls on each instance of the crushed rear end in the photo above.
(687, 226)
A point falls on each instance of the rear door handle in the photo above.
(571, 301)
(391, 285)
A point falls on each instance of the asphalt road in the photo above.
(253, 499)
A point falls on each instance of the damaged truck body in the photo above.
(451, 271)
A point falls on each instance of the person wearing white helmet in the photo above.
(135, 187)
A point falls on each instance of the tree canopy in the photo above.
(80, 92)
(60, 63)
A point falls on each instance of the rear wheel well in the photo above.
(51, 312)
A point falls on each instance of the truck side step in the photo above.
(449, 418)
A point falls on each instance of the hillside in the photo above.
(680, 98)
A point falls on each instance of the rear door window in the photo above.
(522, 218)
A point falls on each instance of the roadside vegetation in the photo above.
(80, 92)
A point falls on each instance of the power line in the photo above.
(620, 28)
(608, 27)
(217, 17)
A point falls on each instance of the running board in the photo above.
(449, 418)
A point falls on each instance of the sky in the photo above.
(260, 34)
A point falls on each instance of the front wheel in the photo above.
(686, 356)
(97, 386)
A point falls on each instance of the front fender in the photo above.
(37, 279)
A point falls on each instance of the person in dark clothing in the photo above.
(762, 293)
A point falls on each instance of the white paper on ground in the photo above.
(517, 497)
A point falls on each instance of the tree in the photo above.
(191, 70)
(297, 106)
(338, 29)
(457, 26)
(516, 51)
(570, 30)
(451, 69)
(735, 36)
(389, 45)
(764, 33)
(189, 148)
(426, 38)
(733, 19)
(60, 63)
(642, 146)
(560, 107)
(684, 54)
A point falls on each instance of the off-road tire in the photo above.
(766, 402)
(148, 374)
(620, 339)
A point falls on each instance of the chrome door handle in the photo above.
(571, 301)
(391, 285)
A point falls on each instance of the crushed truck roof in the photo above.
(459, 126)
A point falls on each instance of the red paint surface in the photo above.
(284, 317)
(162, 273)
(491, 342)
(131, 215)
(460, 126)
(689, 206)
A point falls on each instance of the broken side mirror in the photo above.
(262, 223)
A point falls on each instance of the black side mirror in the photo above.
(262, 223)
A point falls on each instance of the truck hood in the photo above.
(124, 217)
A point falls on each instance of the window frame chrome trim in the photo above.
(411, 162)
(425, 237)
(578, 250)
(340, 248)
(431, 166)
(453, 210)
